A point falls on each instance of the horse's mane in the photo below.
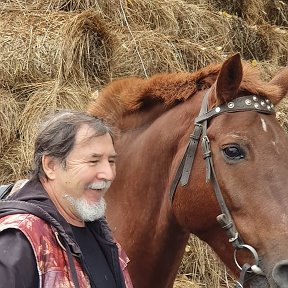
(128, 95)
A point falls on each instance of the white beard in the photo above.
(86, 211)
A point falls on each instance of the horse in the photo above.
(203, 153)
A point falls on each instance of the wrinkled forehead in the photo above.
(86, 133)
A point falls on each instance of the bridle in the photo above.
(245, 103)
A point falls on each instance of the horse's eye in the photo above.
(234, 152)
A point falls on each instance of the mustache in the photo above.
(105, 184)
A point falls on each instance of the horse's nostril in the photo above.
(280, 274)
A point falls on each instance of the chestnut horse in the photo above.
(164, 190)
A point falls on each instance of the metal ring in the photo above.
(251, 249)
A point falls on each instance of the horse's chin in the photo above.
(258, 281)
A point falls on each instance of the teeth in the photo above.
(100, 185)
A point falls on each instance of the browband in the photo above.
(245, 103)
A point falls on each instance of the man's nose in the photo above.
(107, 171)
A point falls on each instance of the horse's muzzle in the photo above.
(280, 274)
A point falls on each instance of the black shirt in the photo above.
(94, 258)
(18, 267)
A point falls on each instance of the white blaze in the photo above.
(264, 126)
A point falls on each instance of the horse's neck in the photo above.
(140, 212)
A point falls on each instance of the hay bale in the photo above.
(145, 53)
(201, 25)
(251, 42)
(9, 115)
(257, 12)
(52, 5)
(278, 44)
(46, 98)
(38, 47)
(29, 46)
(86, 49)
(15, 162)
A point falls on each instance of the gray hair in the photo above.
(57, 133)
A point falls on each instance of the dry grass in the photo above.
(9, 115)
(44, 98)
(85, 50)
(29, 46)
(257, 12)
(53, 52)
(149, 52)
(15, 162)
(37, 47)
(201, 265)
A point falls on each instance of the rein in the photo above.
(245, 103)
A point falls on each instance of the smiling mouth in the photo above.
(100, 186)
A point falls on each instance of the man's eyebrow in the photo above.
(114, 155)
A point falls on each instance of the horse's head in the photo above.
(246, 161)
(246, 165)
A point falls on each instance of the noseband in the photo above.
(245, 103)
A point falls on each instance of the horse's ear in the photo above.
(228, 80)
(281, 80)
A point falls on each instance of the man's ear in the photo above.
(49, 165)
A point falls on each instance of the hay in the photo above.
(201, 265)
(46, 98)
(278, 44)
(249, 40)
(9, 114)
(149, 52)
(39, 47)
(53, 5)
(253, 12)
(86, 49)
(29, 46)
(282, 112)
(15, 162)
(182, 281)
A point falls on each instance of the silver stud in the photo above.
(248, 102)
(231, 105)
(268, 107)
(255, 98)
(256, 105)
(262, 103)
(267, 101)
(217, 109)
(272, 106)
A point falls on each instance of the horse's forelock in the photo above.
(252, 83)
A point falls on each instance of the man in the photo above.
(56, 235)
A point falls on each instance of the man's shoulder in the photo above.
(9, 189)
(20, 220)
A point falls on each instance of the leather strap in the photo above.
(240, 283)
(185, 167)
(245, 103)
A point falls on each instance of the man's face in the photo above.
(89, 170)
